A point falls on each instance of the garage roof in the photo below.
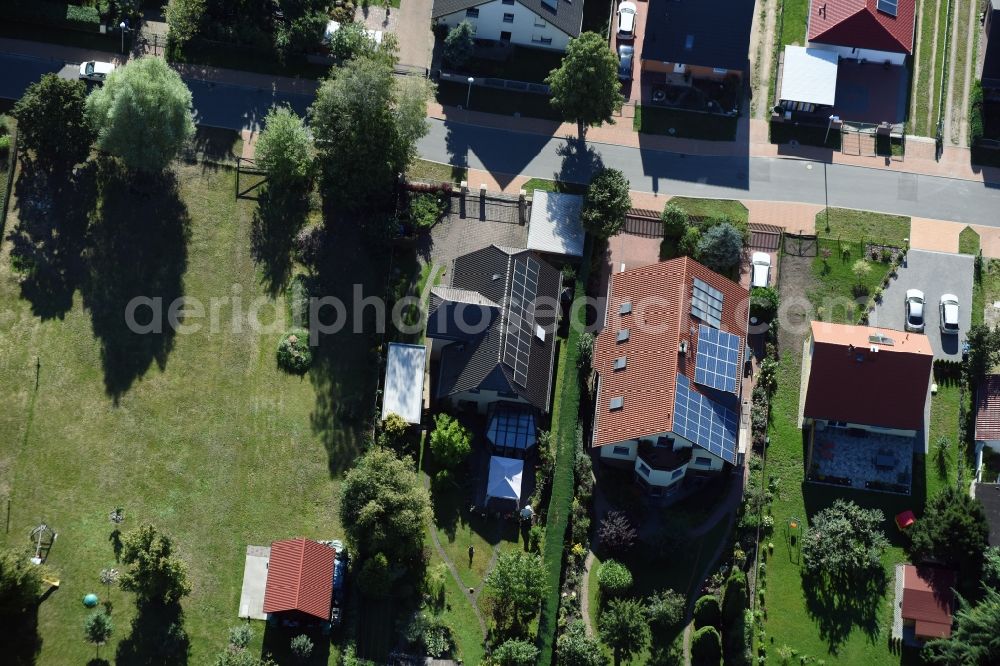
(809, 75)
(555, 225)
(300, 578)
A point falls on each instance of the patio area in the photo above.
(859, 459)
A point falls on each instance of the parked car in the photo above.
(95, 70)
(949, 314)
(626, 20)
(760, 269)
(914, 311)
(625, 54)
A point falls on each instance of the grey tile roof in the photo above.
(568, 15)
(698, 32)
(477, 361)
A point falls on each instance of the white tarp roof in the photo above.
(809, 75)
(555, 224)
(505, 478)
(404, 381)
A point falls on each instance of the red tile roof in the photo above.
(848, 382)
(660, 295)
(300, 578)
(859, 24)
(928, 599)
(988, 409)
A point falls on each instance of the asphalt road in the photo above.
(934, 273)
(500, 151)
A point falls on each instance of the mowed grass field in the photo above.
(207, 439)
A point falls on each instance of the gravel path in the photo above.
(762, 35)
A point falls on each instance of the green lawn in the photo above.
(860, 226)
(685, 124)
(436, 172)
(458, 615)
(198, 433)
(707, 208)
(968, 241)
(547, 185)
(928, 82)
(793, 19)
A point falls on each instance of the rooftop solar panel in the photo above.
(705, 422)
(717, 359)
(890, 7)
(706, 303)
(520, 315)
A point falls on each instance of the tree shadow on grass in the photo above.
(279, 216)
(20, 638)
(48, 243)
(277, 645)
(137, 250)
(157, 637)
(840, 607)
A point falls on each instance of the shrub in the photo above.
(240, 636)
(294, 354)
(675, 220)
(720, 248)
(302, 646)
(617, 534)
(4, 144)
(764, 303)
(706, 647)
(614, 578)
(665, 609)
(976, 113)
(425, 210)
(459, 44)
(57, 14)
(707, 612)
(450, 441)
(688, 244)
(585, 352)
(536, 536)
(430, 633)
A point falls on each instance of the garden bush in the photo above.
(294, 354)
(4, 144)
(430, 633)
(675, 220)
(688, 244)
(976, 113)
(707, 612)
(59, 14)
(614, 578)
(706, 647)
(764, 303)
(425, 210)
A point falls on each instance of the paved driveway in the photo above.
(934, 273)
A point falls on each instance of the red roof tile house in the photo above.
(299, 581)
(988, 413)
(873, 30)
(928, 601)
(866, 404)
(669, 364)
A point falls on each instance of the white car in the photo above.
(626, 20)
(949, 314)
(914, 311)
(760, 269)
(95, 70)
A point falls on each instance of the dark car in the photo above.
(625, 54)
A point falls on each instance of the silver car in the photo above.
(626, 20)
(949, 314)
(95, 70)
(914, 311)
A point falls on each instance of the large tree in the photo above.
(623, 628)
(451, 442)
(975, 640)
(575, 648)
(20, 585)
(720, 248)
(515, 587)
(384, 507)
(154, 573)
(185, 20)
(585, 86)
(460, 44)
(366, 122)
(844, 544)
(51, 121)
(954, 532)
(606, 203)
(284, 149)
(142, 114)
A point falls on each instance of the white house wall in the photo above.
(871, 55)
(527, 29)
(483, 399)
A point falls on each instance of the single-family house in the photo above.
(300, 582)
(877, 31)
(696, 39)
(865, 403)
(491, 331)
(669, 365)
(990, 74)
(544, 24)
(928, 602)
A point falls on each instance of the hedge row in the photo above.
(976, 113)
(58, 14)
(565, 416)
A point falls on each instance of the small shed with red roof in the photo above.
(928, 600)
(300, 580)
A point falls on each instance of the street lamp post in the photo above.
(123, 26)
(469, 93)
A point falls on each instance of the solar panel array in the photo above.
(704, 422)
(890, 7)
(716, 363)
(512, 429)
(520, 315)
(706, 303)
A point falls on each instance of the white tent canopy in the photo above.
(404, 381)
(505, 478)
(809, 75)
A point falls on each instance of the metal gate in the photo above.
(858, 138)
(800, 245)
